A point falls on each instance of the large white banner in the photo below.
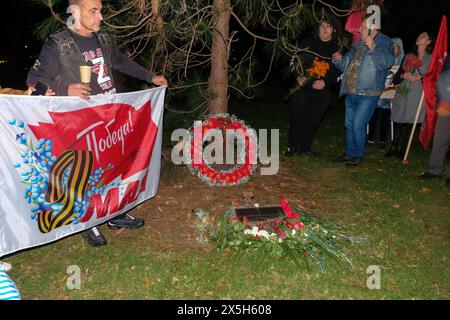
(67, 164)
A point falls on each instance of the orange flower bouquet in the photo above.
(318, 71)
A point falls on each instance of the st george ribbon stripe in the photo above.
(81, 163)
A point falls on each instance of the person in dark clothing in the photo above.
(83, 43)
(441, 141)
(65, 51)
(91, 53)
(382, 114)
(381, 118)
(310, 102)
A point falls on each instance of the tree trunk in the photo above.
(218, 80)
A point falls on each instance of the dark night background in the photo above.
(19, 46)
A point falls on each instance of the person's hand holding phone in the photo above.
(40, 89)
(49, 92)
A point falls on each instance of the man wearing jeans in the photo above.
(365, 68)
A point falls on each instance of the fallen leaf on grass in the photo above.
(394, 287)
(425, 190)
(301, 207)
(396, 206)
(247, 195)
(235, 203)
(119, 232)
(350, 283)
(436, 285)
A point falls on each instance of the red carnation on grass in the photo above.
(283, 235)
(297, 225)
(290, 213)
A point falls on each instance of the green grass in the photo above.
(406, 221)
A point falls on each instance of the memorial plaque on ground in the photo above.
(260, 213)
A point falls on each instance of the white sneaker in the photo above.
(5, 266)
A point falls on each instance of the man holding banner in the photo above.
(84, 44)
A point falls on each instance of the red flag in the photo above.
(430, 84)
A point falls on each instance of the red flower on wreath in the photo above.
(241, 172)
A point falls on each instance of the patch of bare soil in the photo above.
(169, 218)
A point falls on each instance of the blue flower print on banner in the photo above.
(34, 169)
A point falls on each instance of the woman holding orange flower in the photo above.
(311, 97)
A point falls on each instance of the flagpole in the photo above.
(411, 137)
(392, 124)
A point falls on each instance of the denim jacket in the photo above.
(374, 66)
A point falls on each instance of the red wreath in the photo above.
(210, 175)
